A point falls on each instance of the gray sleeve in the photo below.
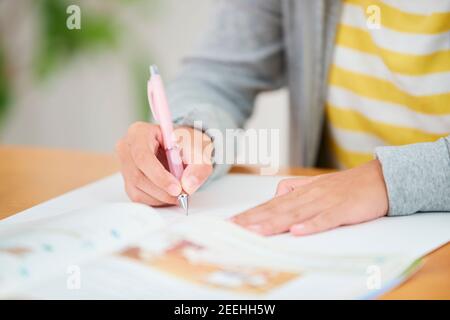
(417, 176)
(240, 55)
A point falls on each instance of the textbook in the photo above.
(126, 250)
(93, 243)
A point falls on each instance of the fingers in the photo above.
(196, 153)
(276, 224)
(196, 147)
(194, 176)
(276, 216)
(325, 221)
(139, 187)
(301, 201)
(143, 143)
(280, 219)
(140, 196)
(290, 184)
(145, 185)
(142, 157)
(264, 211)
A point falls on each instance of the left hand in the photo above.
(308, 205)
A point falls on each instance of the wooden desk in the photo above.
(29, 176)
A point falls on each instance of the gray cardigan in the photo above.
(253, 46)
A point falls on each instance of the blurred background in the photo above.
(81, 89)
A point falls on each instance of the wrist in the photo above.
(378, 176)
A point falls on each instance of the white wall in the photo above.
(90, 103)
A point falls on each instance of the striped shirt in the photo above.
(389, 83)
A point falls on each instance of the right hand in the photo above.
(144, 165)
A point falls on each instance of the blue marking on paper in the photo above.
(115, 233)
(47, 247)
(24, 272)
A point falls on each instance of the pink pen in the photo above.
(160, 110)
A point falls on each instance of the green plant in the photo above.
(5, 90)
(139, 76)
(59, 44)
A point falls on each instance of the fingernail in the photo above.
(174, 189)
(192, 182)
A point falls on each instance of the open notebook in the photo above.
(91, 243)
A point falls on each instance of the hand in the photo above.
(144, 165)
(308, 205)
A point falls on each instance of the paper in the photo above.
(125, 250)
(409, 237)
(417, 234)
(29, 250)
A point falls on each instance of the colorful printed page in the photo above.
(32, 252)
(125, 251)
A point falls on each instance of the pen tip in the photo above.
(184, 202)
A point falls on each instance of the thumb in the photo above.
(194, 176)
(196, 150)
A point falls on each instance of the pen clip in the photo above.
(151, 100)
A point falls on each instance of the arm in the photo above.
(417, 176)
(403, 180)
(240, 56)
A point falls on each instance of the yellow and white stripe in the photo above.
(389, 86)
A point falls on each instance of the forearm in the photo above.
(417, 177)
(219, 81)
